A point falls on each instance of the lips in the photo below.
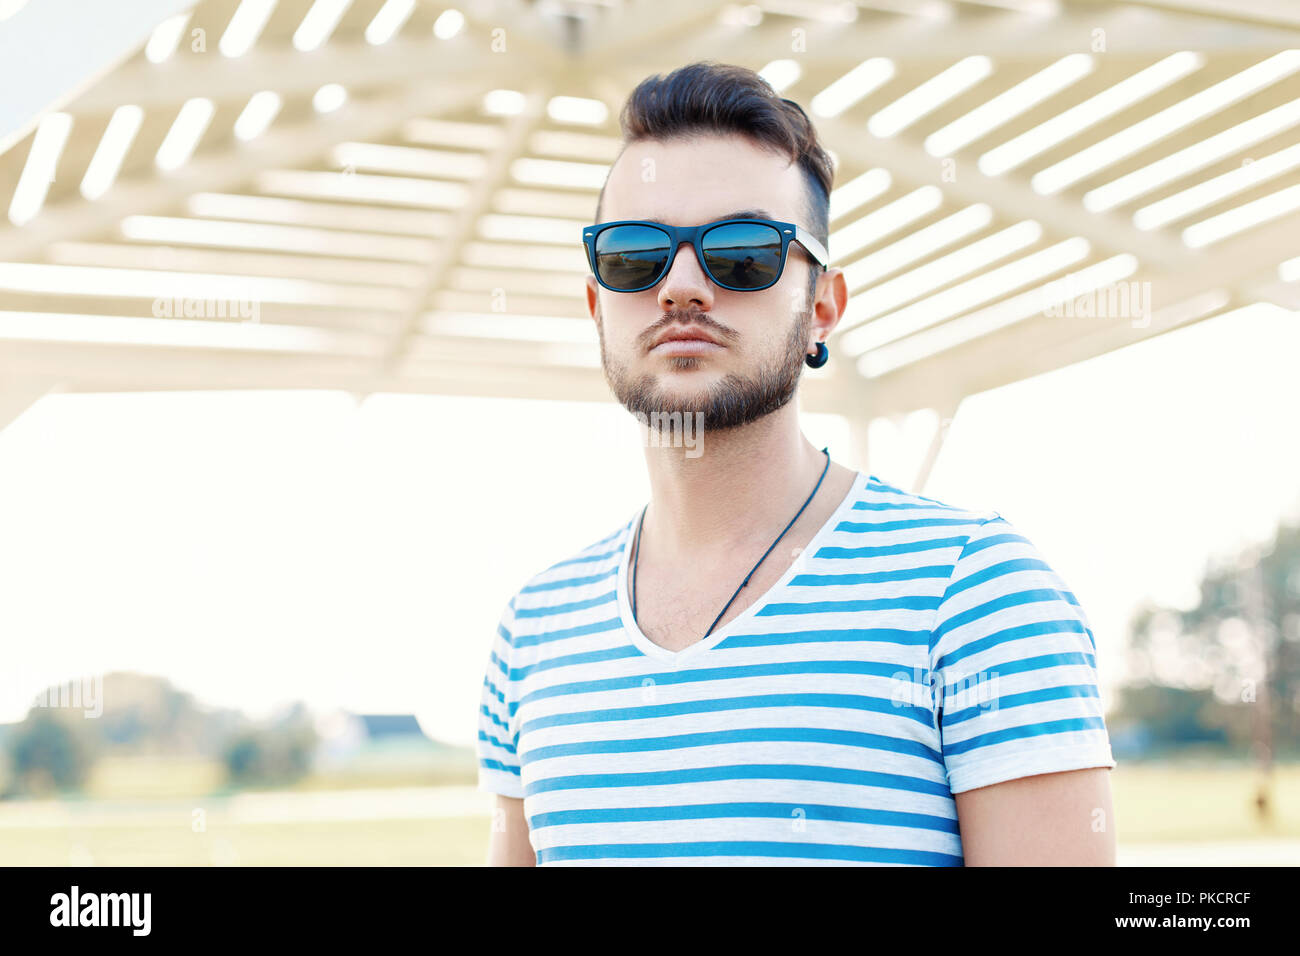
(685, 335)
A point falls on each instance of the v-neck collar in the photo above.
(653, 650)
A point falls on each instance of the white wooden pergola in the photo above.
(393, 190)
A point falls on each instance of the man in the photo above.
(778, 660)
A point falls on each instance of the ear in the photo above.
(831, 300)
(593, 297)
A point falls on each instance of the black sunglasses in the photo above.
(744, 255)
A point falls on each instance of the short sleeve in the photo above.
(1014, 667)
(498, 735)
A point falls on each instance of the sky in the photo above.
(257, 548)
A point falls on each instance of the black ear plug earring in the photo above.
(818, 360)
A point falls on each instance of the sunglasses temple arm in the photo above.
(812, 245)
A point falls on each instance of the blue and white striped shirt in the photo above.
(912, 651)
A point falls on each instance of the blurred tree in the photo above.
(1174, 717)
(275, 754)
(1231, 662)
(49, 754)
(55, 747)
(146, 713)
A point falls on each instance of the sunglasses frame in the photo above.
(788, 231)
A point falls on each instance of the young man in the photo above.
(778, 660)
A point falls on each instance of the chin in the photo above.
(686, 363)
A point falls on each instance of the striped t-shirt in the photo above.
(912, 651)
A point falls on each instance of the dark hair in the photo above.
(707, 97)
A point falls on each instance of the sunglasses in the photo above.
(744, 255)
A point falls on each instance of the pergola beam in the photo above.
(98, 367)
(401, 62)
(1011, 198)
(947, 412)
(232, 166)
(465, 220)
(621, 47)
(1271, 12)
(1128, 31)
(649, 26)
(19, 392)
(1229, 277)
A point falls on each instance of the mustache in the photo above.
(687, 317)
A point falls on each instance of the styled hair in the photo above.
(712, 98)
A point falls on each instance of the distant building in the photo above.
(378, 744)
(393, 726)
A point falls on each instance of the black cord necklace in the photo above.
(636, 550)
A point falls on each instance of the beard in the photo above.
(732, 402)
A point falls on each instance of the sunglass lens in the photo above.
(631, 257)
(743, 255)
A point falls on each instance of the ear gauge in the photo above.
(818, 360)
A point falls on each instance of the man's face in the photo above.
(761, 337)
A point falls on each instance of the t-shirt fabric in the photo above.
(912, 651)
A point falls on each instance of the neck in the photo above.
(747, 483)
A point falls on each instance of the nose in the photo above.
(685, 284)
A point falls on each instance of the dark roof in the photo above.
(390, 725)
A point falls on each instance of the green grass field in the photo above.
(453, 841)
(1153, 804)
(1160, 802)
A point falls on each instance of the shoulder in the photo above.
(878, 494)
(579, 573)
(881, 507)
(982, 552)
(995, 584)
